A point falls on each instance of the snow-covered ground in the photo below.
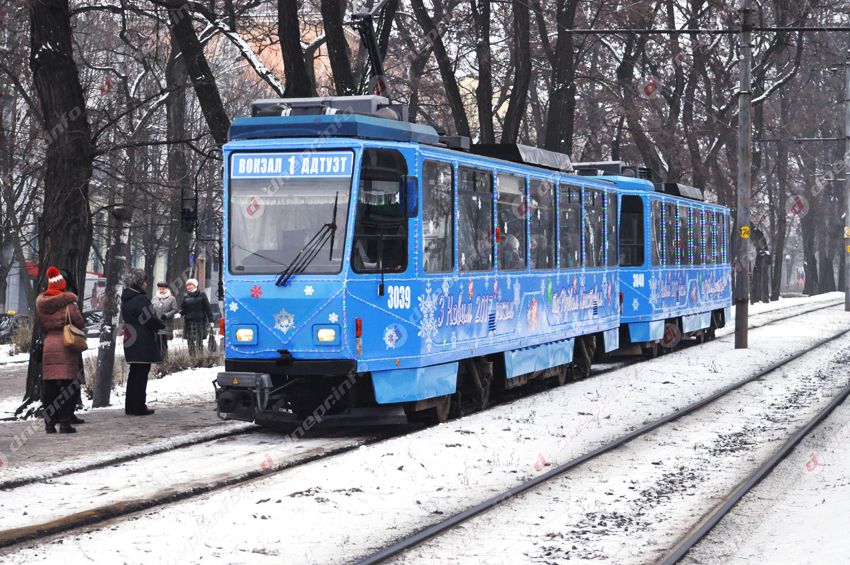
(191, 385)
(7, 355)
(799, 513)
(335, 509)
(632, 505)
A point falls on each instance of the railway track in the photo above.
(451, 522)
(156, 495)
(127, 505)
(698, 533)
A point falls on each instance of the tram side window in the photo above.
(699, 236)
(569, 206)
(510, 207)
(437, 220)
(671, 239)
(612, 226)
(542, 224)
(380, 230)
(685, 237)
(631, 232)
(710, 238)
(475, 220)
(594, 228)
(657, 233)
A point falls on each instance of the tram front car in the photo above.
(310, 201)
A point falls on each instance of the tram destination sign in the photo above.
(308, 164)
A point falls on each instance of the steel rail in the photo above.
(451, 522)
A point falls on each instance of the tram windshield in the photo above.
(280, 201)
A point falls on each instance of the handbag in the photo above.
(212, 344)
(73, 337)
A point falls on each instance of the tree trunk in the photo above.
(808, 227)
(484, 90)
(522, 73)
(64, 234)
(332, 18)
(779, 205)
(562, 99)
(206, 89)
(298, 84)
(116, 255)
(179, 177)
(447, 71)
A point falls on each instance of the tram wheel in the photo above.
(474, 388)
(562, 374)
(584, 350)
(650, 350)
(437, 414)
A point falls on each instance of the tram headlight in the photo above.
(326, 335)
(246, 335)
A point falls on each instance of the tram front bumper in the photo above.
(241, 395)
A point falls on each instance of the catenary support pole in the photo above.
(847, 181)
(745, 159)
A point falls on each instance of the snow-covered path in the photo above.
(336, 509)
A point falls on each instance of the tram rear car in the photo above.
(368, 264)
(675, 273)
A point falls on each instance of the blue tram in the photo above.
(370, 261)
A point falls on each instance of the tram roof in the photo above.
(338, 125)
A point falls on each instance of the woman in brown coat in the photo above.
(54, 307)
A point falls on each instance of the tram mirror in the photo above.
(410, 195)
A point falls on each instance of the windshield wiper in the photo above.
(311, 249)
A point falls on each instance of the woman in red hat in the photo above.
(54, 308)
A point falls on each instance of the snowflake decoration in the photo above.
(308, 290)
(653, 291)
(284, 321)
(516, 293)
(446, 286)
(333, 318)
(234, 307)
(390, 337)
(635, 304)
(542, 287)
(428, 307)
(454, 340)
(256, 291)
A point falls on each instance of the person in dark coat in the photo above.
(71, 286)
(197, 316)
(165, 306)
(55, 307)
(141, 348)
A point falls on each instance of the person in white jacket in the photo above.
(165, 306)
